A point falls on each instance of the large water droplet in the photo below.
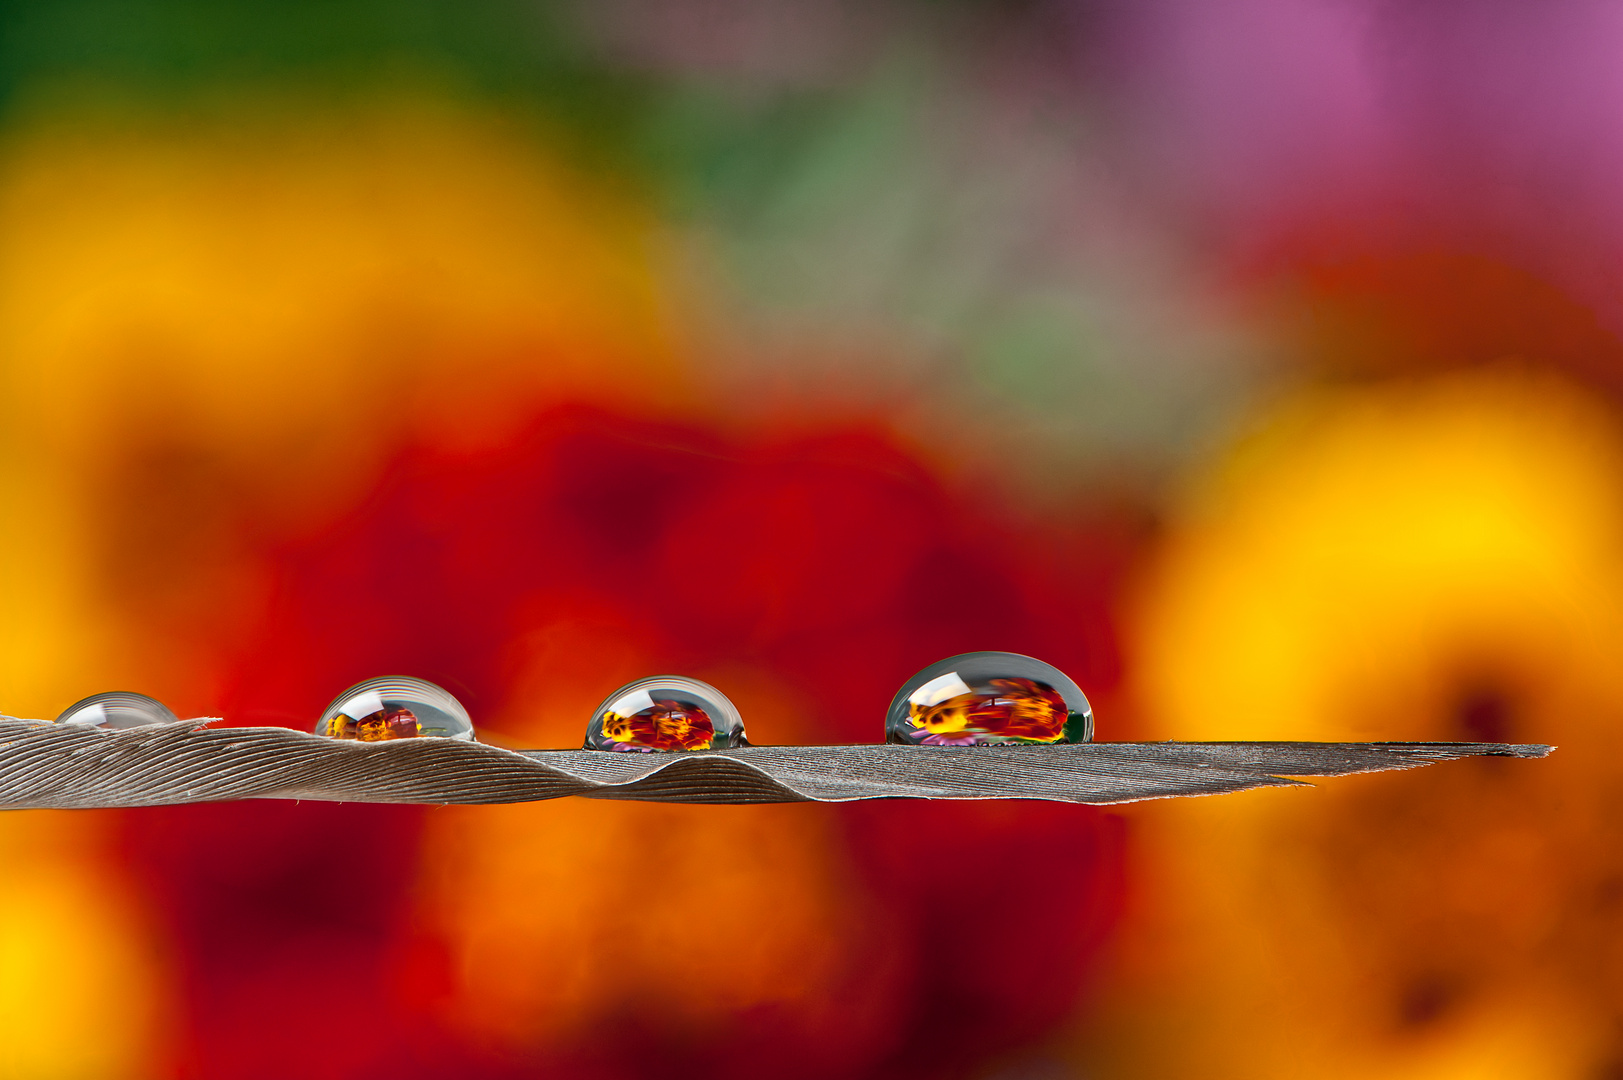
(989, 699)
(117, 709)
(666, 712)
(395, 707)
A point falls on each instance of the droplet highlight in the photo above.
(989, 699)
(665, 713)
(395, 707)
(117, 709)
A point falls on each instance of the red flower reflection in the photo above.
(1014, 709)
(669, 725)
(378, 727)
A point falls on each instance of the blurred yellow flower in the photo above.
(1433, 559)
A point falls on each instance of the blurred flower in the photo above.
(85, 990)
(1428, 559)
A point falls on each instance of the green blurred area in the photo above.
(172, 51)
(884, 192)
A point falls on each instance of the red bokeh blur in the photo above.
(832, 561)
(1255, 364)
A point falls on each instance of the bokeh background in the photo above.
(1258, 363)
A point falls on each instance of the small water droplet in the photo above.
(666, 712)
(989, 699)
(395, 707)
(117, 709)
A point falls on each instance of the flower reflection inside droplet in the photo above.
(395, 707)
(667, 712)
(986, 699)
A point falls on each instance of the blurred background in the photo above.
(1256, 363)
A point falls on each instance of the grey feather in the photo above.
(74, 766)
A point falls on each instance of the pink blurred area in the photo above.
(1256, 364)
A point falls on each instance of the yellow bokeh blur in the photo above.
(240, 314)
(84, 991)
(241, 311)
(1409, 560)
(252, 310)
(1363, 537)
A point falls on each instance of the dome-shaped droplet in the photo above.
(395, 707)
(117, 709)
(666, 712)
(989, 699)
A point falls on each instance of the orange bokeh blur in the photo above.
(1430, 559)
(302, 385)
(296, 401)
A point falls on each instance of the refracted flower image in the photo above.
(665, 713)
(378, 726)
(989, 699)
(395, 707)
(664, 725)
(1251, 368)
(1003, 710)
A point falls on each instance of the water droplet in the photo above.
(989, 699)
(117, 709)
(395, 707)
(666, 712)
